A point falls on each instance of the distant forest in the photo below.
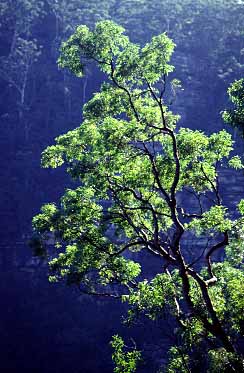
(39, 102)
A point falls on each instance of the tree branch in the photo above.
(125, 90)
(214, 248)
(216, 191)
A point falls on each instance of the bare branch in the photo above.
(159, 102)
(215, 189)
(125, 90)
(200, 256)
(98, 294)
(211, 251)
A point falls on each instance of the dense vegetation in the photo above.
(38, 102)
(208, 35)
(235, 116)
(136, 168)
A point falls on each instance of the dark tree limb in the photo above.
(210, 252)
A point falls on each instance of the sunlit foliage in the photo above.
(136, 168)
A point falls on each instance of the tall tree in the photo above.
(16, 62)
(136, 168)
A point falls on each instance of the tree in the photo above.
(17, 20)
(235, 116)
(68, 15)
(137, 171)
(209, 39)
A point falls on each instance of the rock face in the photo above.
(45, 328)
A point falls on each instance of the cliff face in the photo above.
(45, 328)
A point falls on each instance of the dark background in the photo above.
(48, 328)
